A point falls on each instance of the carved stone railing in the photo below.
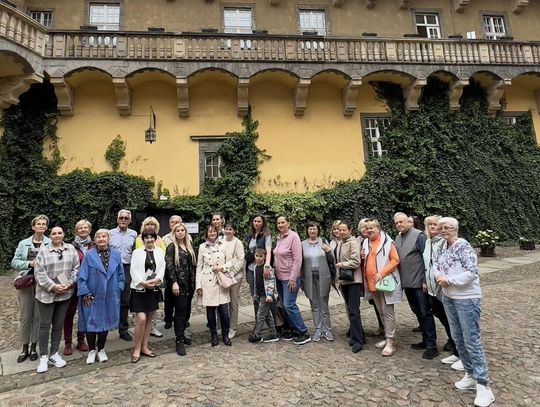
(21, 29)
(204, 47)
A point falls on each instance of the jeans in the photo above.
(223, 310)
(288, 299)
(51, 315)
(351, 295)
(419, 303)
(438, 310)
(464, 319)
(124, 301)
(264, 315)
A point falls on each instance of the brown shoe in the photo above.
(390, 347)
(68, 350)
(82, 346)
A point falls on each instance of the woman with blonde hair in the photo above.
(82, 243)
(381, 260)
(181, 265)
(335, 237)
(24, 264)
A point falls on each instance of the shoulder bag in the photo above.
(387, 284)
(23, 282)
(225, 280)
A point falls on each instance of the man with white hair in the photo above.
(123, 239)
(410, 244)
(173, 220)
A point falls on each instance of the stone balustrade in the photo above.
(204, 47)
(21, 29)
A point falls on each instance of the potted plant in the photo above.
(486, 240)
(526, 244)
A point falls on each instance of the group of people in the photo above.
(121, 271)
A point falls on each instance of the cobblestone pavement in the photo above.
(317, 374)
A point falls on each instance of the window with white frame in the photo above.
(45, 18)
(428, 25)
(374, 128)
(212, 165)
(312, 20)
(237, 20)
(494, 26)
(105, 16)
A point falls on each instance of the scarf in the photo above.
(82, 244)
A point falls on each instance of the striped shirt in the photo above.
(54, 265)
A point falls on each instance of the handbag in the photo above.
(225, 280)
(24, 282)
(387, 284)
(346, 274)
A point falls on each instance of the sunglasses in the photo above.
(60, 255)
(123, 218)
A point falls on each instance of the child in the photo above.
(264, 295)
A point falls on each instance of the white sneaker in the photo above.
(43, 365)
(484, 396)
(466, 383)
(458, 366)
(232, 333)
(102, 356)
(381, 344)
(328, 335)
(91, 357)
(316, 336)
(156, 333)
(450, 360)
(57, 360)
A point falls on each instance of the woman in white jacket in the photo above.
(212, 259)
(147, 271)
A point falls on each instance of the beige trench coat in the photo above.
(212, 293)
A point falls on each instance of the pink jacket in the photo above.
(288, 256)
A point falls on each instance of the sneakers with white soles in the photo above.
(484, 396)
(57, 360)
(91, 358)
(43, 365)
(466, 383)
(102, 356)
(458, 366)
(450, 360)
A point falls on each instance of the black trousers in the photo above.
(438, 310)
(351, 295)
(123, 325)
(169, 304)
(419, 303)
(182, 306)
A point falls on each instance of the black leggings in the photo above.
(101, 339)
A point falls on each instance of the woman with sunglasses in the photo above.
(56, 271)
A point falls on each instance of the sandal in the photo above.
(135, 359)
(150, 354)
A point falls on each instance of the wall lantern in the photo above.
(150, 133)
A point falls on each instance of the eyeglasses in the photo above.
(447, 227)
(123, 218)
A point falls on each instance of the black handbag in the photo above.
(346, 274)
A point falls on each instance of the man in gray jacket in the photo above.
(410, 245)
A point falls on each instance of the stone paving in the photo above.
(324, 373)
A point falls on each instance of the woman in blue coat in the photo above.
(100, 284)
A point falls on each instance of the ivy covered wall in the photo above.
(466, 164)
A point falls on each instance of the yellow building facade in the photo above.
(303, 67)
